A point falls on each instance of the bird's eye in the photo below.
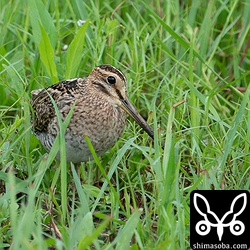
(111, 79)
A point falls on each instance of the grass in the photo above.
(137, 195)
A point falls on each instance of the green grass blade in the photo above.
(39, 16)
(107, 178)
(75, 52)
(84, 201)
(112, 169)
(89, 239)
(47, 55)
(63, 164)
(232, 132)
(123, 238)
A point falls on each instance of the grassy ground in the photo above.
(137, 194)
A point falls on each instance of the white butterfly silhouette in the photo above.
(203, 227)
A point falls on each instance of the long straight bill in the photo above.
(128, 107)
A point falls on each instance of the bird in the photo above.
(100, 112)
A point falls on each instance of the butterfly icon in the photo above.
(203, 227)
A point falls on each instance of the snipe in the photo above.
(101, 104)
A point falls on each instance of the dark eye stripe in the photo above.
(102, 87)
(119, 94)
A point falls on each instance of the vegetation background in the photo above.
(137, 195)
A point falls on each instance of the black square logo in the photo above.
(220, 219)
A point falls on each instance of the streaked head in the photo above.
(112, 82)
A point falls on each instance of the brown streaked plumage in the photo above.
(101, 105)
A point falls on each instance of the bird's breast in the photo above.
(103, 124)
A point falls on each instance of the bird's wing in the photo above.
(41, 102)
